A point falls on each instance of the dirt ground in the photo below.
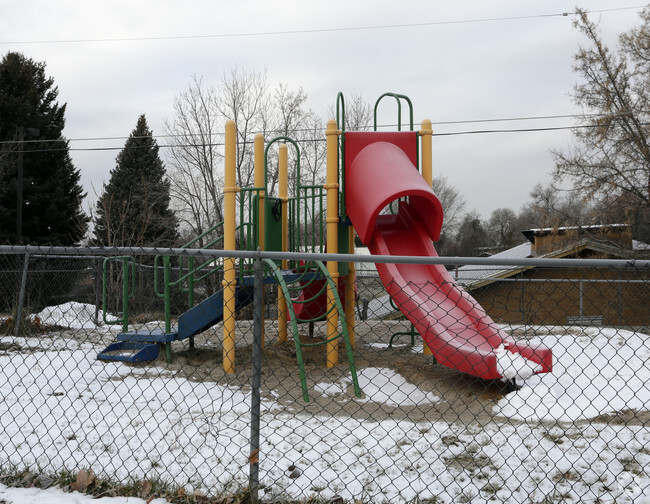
(464, 399)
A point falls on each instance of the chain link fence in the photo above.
(414, 430)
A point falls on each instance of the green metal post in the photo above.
(190, 287)
(125, 294)
(166, 279)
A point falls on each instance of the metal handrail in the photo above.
(399, 98)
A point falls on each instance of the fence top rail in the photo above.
(310, 256)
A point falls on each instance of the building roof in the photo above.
(477, 276)
(639, 246)
(471, 274)
(531, 233)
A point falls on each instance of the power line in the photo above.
(315, 30)
(219, 144)
(436, 123)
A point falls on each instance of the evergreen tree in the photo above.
(133, 209)
(52, 194)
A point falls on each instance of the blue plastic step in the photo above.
(140, 345)
(148, 336)
(127, 351)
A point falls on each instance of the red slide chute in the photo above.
(380, 168)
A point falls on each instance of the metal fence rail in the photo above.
(418, 430)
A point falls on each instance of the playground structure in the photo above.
(378, 184)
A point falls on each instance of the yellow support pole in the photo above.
(350, 291)
(230, 227)
(283, 192)
(427, 152)
(332, 220)
(259, 180)
(427, 172)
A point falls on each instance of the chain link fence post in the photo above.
(256, 380)
(21, 295)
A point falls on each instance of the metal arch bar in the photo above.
(399, 98)
(266, 158)
(294, 325)
(344, 327)
(339, 99)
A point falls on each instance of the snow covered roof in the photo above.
(640, 246)
(470, 274)
(577, 228)
(589, 226)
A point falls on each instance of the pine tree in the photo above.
(31, 126)
(133, 209)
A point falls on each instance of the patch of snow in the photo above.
(58, 496)
(602, 371)
(385, 386)
(329, 389)
(71, 314)
(418, 348)
(383, 346)
(513, 366)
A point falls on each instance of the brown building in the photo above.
(565, 296)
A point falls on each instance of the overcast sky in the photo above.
(457, 61)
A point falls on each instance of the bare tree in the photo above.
(289, 119)
(313, 151)
(195, 139)
(359, 114)
(502, 226)
(471, 237)
(453, 203)
(196, 163)
(243, 97)
(611, 155)
(551, 207)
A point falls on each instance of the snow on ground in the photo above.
(73, 315)
(58, 496)
(601, 371)
(513, 366)
(381, 385)
(60, 408)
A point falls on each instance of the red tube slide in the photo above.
(380, 168)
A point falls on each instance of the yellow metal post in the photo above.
(283, 192)
(260, 182)
(229, 278)
(350, 291)
(427, 172)
(332, 220)
(427, 152)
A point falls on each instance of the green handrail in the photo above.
(248, 230)
(190, 276)
(266, 158)
(399, 98)
(341, 126)
(294, 325)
